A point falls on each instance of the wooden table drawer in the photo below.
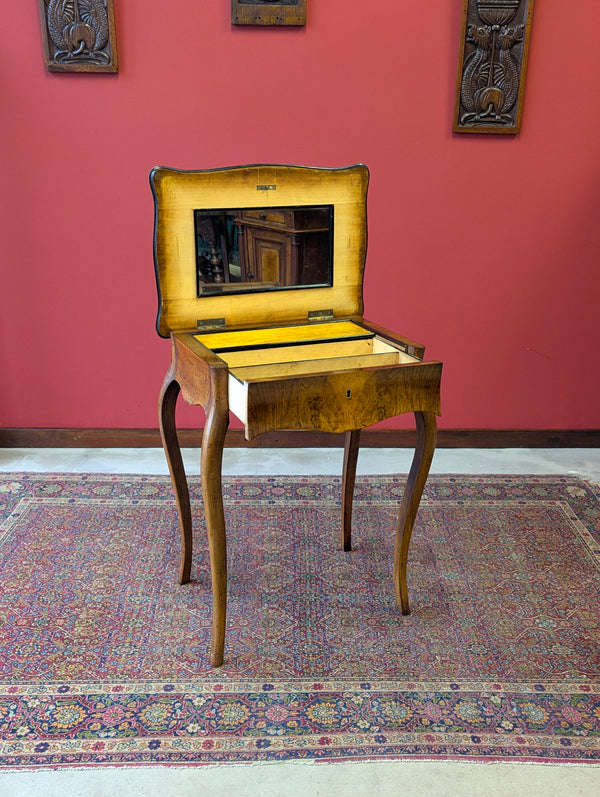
(344, 386)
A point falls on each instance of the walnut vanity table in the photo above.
(288, 348)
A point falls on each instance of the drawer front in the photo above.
(341, 401)
(298, 220)
(274, 217)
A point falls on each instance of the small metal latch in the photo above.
(320, 315)
(210, 323)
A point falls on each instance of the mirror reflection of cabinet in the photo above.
(284, 246)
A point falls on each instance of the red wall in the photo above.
(483, 247)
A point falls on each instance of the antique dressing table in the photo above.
(260, 272)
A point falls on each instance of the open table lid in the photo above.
(177, 194)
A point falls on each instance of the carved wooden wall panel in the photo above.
(79, 35)
(268, 12)
(492, 66)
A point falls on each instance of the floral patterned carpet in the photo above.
(104, 657)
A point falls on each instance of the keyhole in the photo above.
(348, 393)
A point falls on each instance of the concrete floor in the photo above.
(375, 779)
(304, 461)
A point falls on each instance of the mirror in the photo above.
(263, 249)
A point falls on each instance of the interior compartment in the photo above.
(313, 358)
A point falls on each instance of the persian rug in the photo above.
(104, 657)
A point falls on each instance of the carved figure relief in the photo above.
(79, 35)
(492, 66)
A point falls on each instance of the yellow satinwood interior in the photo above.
(282, 336)
(178, 193)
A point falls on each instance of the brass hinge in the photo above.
(210, 323)
(320, 315)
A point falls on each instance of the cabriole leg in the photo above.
(168, 432)
(419, 471)
(213, 440)
(351, 446)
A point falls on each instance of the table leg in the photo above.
(426, 439)
(351, 446)
(213, 439)
(168, 432)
